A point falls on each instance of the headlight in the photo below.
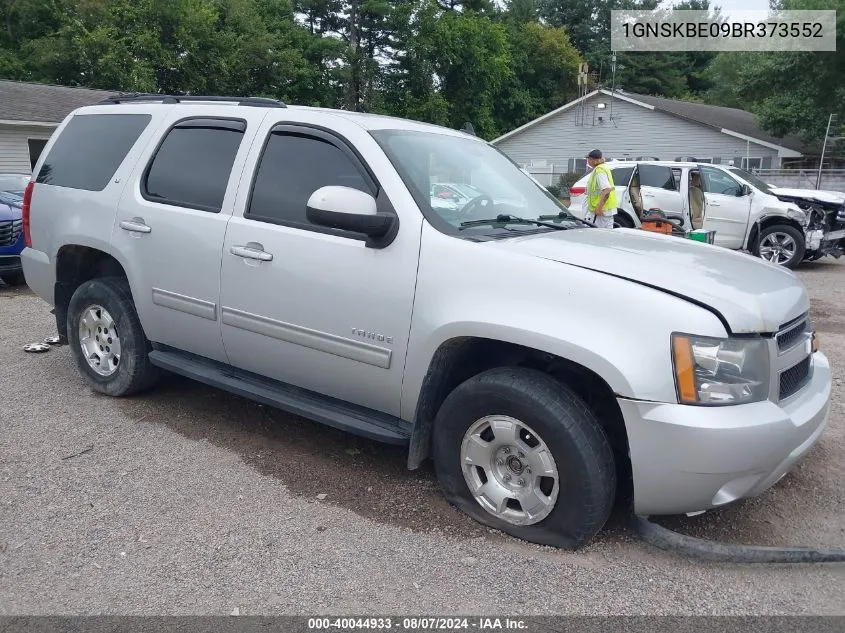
(719, 371)
(797, 214)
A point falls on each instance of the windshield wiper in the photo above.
(506, 218)
(564, 215)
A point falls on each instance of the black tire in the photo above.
(584, 459)
(134, 372)
(622, 220)
(13, 279)
(795, 234)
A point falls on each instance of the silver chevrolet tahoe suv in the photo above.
(294, 256)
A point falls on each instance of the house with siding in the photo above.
(29, 113)
(632, 126)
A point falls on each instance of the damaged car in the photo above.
(742, 211)
(825, 223)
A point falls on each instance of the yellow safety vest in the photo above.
(594, 193)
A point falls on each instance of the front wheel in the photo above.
(107, 340)
(781, 244)
(520, 452)
(13, 279)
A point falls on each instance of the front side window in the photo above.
(490, 184)
(192, 166)
(292, 168)
(752, 180)
(90, 149)
(717, 181)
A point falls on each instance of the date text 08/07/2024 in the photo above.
(417, 624)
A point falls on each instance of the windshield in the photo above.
(493, 184)
(15, 183)
(751, 179)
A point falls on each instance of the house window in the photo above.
(703, 160)
(749, 163)
(36, 146)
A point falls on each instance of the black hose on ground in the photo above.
(667, 540)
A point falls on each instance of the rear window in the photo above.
(621, 175)
(657, 176)
(192, 167)
(90, 149)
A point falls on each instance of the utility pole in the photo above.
(612, 82)
(824, 146)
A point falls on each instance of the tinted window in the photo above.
(192, 166)
(717, 181)
(90, 149)
(657, 176)
(292, 168)
(621, 176)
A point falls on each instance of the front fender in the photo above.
(617, 328)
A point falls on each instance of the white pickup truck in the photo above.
(745, 212)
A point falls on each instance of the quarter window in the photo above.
(292, 168)
(192, 166)
(89, 150)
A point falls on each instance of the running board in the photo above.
(307, 404)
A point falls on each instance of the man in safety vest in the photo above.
(600, 201)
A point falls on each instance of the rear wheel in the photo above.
(520, 452)
(13, 279)
(781, 244)
(107, 340)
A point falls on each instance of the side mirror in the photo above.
(348, 209)
(745, 190)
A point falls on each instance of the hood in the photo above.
(830, 197)
(8, 212)
(750, 295)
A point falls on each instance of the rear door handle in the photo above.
(713, 204)
(252, 251)
(136, 225)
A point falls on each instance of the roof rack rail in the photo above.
(257, 102)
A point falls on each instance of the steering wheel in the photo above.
(477, 202)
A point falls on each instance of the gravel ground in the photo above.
(188, 500)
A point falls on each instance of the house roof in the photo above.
(43, 103)
(731, 121)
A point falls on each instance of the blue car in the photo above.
(11, 227)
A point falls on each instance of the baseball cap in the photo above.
(596, 153)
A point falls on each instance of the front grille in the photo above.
(794, 378)
(792, 336)
(10, 231)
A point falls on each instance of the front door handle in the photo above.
(713, 204)
(252, 251)
(135, 225)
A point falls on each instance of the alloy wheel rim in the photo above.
(99, 340)
(778, 248)
(509, 470)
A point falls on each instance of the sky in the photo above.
(730, 7)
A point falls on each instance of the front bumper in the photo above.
(689, 459)
(10, 264)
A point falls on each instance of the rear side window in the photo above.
(621, 175)
(657, 176)
(90, 149)
(292, 168)
(192, 165)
